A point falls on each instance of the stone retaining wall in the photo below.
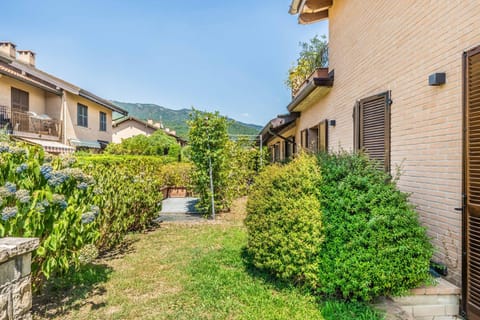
(15, 280)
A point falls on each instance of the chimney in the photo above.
(157, 125)
(27, 57)
(167, 130)
(8, 49)
(150, 122)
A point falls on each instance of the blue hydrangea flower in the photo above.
(18, 150)
(23, 196)
(9, 212)
(21, 168)
(88, 217)
(46, 171)
(40, 207)
(11, 187)
(45, 203)
(82, 185)
(95, 210)
(57, 178)
(4, 148)
(59, 199)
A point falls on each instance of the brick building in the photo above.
(403, 83)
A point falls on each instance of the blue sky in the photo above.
(230, 56)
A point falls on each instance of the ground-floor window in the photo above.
(372, 128)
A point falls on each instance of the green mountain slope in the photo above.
(177, 119)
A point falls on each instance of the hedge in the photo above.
(367, 241)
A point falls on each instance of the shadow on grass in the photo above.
(78, 288)
(331, 308)
(119, 251)
(72, 291)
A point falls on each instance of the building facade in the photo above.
(403, 84)
(41, 109)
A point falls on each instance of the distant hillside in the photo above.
(177, 119)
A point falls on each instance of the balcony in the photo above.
(28, 124)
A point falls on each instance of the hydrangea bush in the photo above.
(43, 197)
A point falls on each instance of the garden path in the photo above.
(179, 209)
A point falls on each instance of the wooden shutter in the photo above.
(374, 128)
(472, 183)
(323, 136)
(356, 127)
(304, 138)
(20, 100)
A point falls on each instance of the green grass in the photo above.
(185, 272)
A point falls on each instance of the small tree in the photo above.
(208, 141)
(314, 54)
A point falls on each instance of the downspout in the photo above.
(64, 112)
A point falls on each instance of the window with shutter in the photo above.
(313, 139)
(289, 147)
(20, 100)
(372, 128)
(304, 138)
(323, 136)
(82, 115)
(471, 293)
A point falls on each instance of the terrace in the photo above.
(29, 124)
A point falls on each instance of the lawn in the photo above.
(185, 271)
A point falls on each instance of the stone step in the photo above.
(435, 302)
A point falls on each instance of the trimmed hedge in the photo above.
(373, 244)
(284, 221)
(129, 192)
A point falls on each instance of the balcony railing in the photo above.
(28, 123)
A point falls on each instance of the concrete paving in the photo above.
(179, 210)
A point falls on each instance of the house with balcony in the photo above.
(403, 85)
(41, 109)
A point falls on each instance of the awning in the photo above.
(50, 146)
(85, 143)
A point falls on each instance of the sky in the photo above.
(226, 56)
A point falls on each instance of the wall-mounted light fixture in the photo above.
(333, 123)
(436, 79)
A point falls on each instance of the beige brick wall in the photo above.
(377, 46)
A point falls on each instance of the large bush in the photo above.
(128, 191)
(284, 221)
(372, 242)
(157, 144)
(43, 197)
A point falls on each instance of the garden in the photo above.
(319, 237)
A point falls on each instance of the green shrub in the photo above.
(43, 197)
(128, 193)
(374, 243)
(157, 144)
(366, 242)
(284, 221)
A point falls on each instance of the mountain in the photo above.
(177, 119)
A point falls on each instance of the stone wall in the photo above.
(15, 280)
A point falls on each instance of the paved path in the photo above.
(179, 209)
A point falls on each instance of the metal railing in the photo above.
(17, 122)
